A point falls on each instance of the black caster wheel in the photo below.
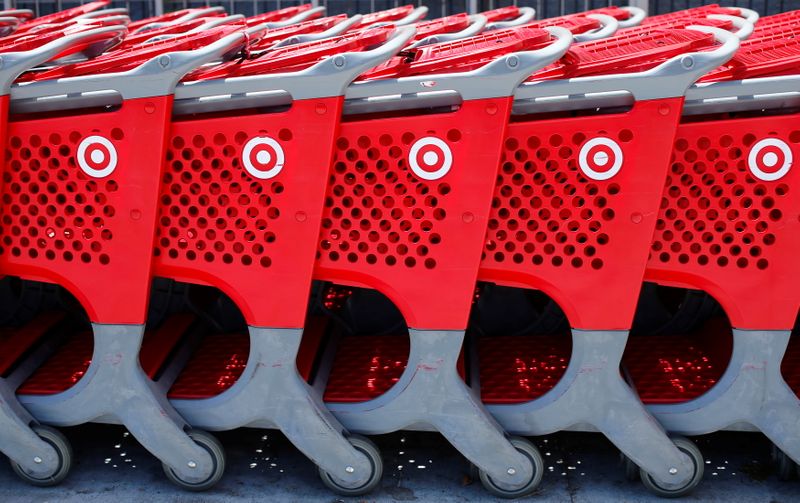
(537, 469)
(687, 447)
(217, 453)
(370, 450)
(630, 468)
(58, 442)
(784, 466)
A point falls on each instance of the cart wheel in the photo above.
(630, 468)
(537, 467)
(687, 447)
(215, 450)
(785, 467)
(57, 441)
(370, 450)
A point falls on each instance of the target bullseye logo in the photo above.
(263, 157)
(770, 159)
(600, 158)
(97, 156)
(430, 158)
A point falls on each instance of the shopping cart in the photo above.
(727, 227)
(80, 195)
(239, 212)
(572, 216)
(40, 455)
(407, 198)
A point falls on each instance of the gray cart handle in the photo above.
(744, 28)
(211, 23)
(476, 24)
(105, 12)
(668, 80)
(637, 16)
(327, 78)
(12, 64)
(155, 77)
(495, 79)
(333, 31)
(526, 16)
(608, 26)
(297, 18)
(186, 17)
(749, 15)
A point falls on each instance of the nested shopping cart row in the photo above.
(389, 166)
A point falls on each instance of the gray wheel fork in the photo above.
(430, 392)
(19, 442)
(592, 395)
(272, 394)
(752, 391)
(115, 388)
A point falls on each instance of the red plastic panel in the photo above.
(16, 341)
(515, 369)
(68, 365)
(88, 228)
(406, 208)
(613, 11)
(279, 15)
(769, 25)
(213, 368)
(726, 231)
(677, 368)
(61, 16)
(273, 36)
(366, 367)
(501, 14)
(558, 226)
(63, 369)
(616, 54)
(296, 57)
(222, 225)
(777, 54)
(385, 16)
(575, 24)
(790, 366)
(695, 12)
(459, 55)
(447, 24)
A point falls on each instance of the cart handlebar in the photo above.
(608, 26)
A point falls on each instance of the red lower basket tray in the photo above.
(516, 369)
(675, 368)
(68, 365)
(15, 342)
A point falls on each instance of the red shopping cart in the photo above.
(40, 455)
(573, 211)
(727, 231)
(407, 199)
(76, 213)
(239, 212)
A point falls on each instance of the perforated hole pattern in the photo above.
(545, 211)
(51, 209)
(377, 210)
(714, 212)
(211, 209)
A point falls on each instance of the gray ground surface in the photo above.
(110, 465)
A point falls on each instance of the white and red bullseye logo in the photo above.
(600, 158)
(263, 157)
(430, 158)
(770, 159)
(97, 156)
